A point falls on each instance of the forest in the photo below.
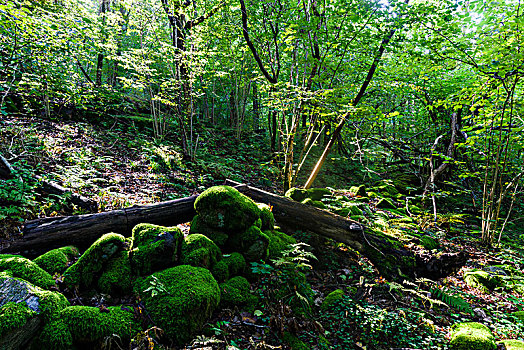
(261, 174)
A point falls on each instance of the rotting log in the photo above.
(391, 257)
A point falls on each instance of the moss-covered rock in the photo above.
(513, 344)
(14, 316)
(185, 298)
(224, 208)
(429, 243)
(86, 325)
(482, 280)
(385, 203)
(471, 336)
(236, 264)
(297, 194)
(117, 278)
(198, 250)
(17, 266)
(236, 293)
(331, 299)
(359, 190)
(57, 260)
(91, 263)
(220, 271)
(278, 242)
(317, 194)
(217, 236)
(154, 248)
(253, 244)
(266, 216)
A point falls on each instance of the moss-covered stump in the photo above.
(482, 280)
(154, 248)
(266, 216)
(179, 300)
(117, 278)
(471, 336)
(331, 299)
(253, 244)
(57, 260)
(23, 307)
(236, 293)
(217, 236)
(200, 251)
(94, 259)
(17, 266)
(278, 242)
(513, 344)
(88, 326)
(224, 208)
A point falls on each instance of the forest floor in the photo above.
(116, 164)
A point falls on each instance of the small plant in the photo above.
(156, 287)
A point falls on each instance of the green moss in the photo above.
(187, 298)
(55, 335)
(51, 303)
(278, 242)
(318, 204)
(217, 236)
(14, 316)
(236, 264)
(154, 248)
(307, 201)
(385, 203)
(253, 244)
(266, 215)
(513, 344)
(220, 271)
(429, 243)
(297, 194)
(471, 336)
(223, 207)
(331, 299)
(359, 190)
(294, 342)
(17, 266)
(519, 315)
(236, 293)
(57, 260)
(317, 194)
(91, 263)
(482, 280)
(117, 277)
(200, 251)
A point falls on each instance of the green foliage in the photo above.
(17, 194)
(454, 301)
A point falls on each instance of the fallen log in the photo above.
(390, 256)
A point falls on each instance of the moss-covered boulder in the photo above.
(91, 263)
(18, 324)
(117, 277)
(236, 293)
(266, 216)
(359, 190)
(471, 336)
(513, 344)
(236, 264)
(88, 326)
(179, 300)
(482, 280)
(297, 194)
(278, 242)
(200, 251)
(331, 299)
(253, 244)
(57, 260)
(217, 236)
(17, 266)
(224, 208)
(385, 203)
(154, 248)
(220, 271)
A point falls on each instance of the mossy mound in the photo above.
(300, 194)
(154, 248)
(220, 271)
(385, 203)
(236, 264)
(86, 325)
(57, 260)
(360, 191)
(179, 300)
(429, 243)
(331, 299)
(17, 266)
(266, 216)
(314, 203)
(14, 316)
(236, 293)
(471, 336)
(482, 280)
(117, 278)
(224, 208)
(294, 342)
(513, 344)
(91, 263)
(278, 242)
(217, 236)
(199, 251)
(253, 244)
